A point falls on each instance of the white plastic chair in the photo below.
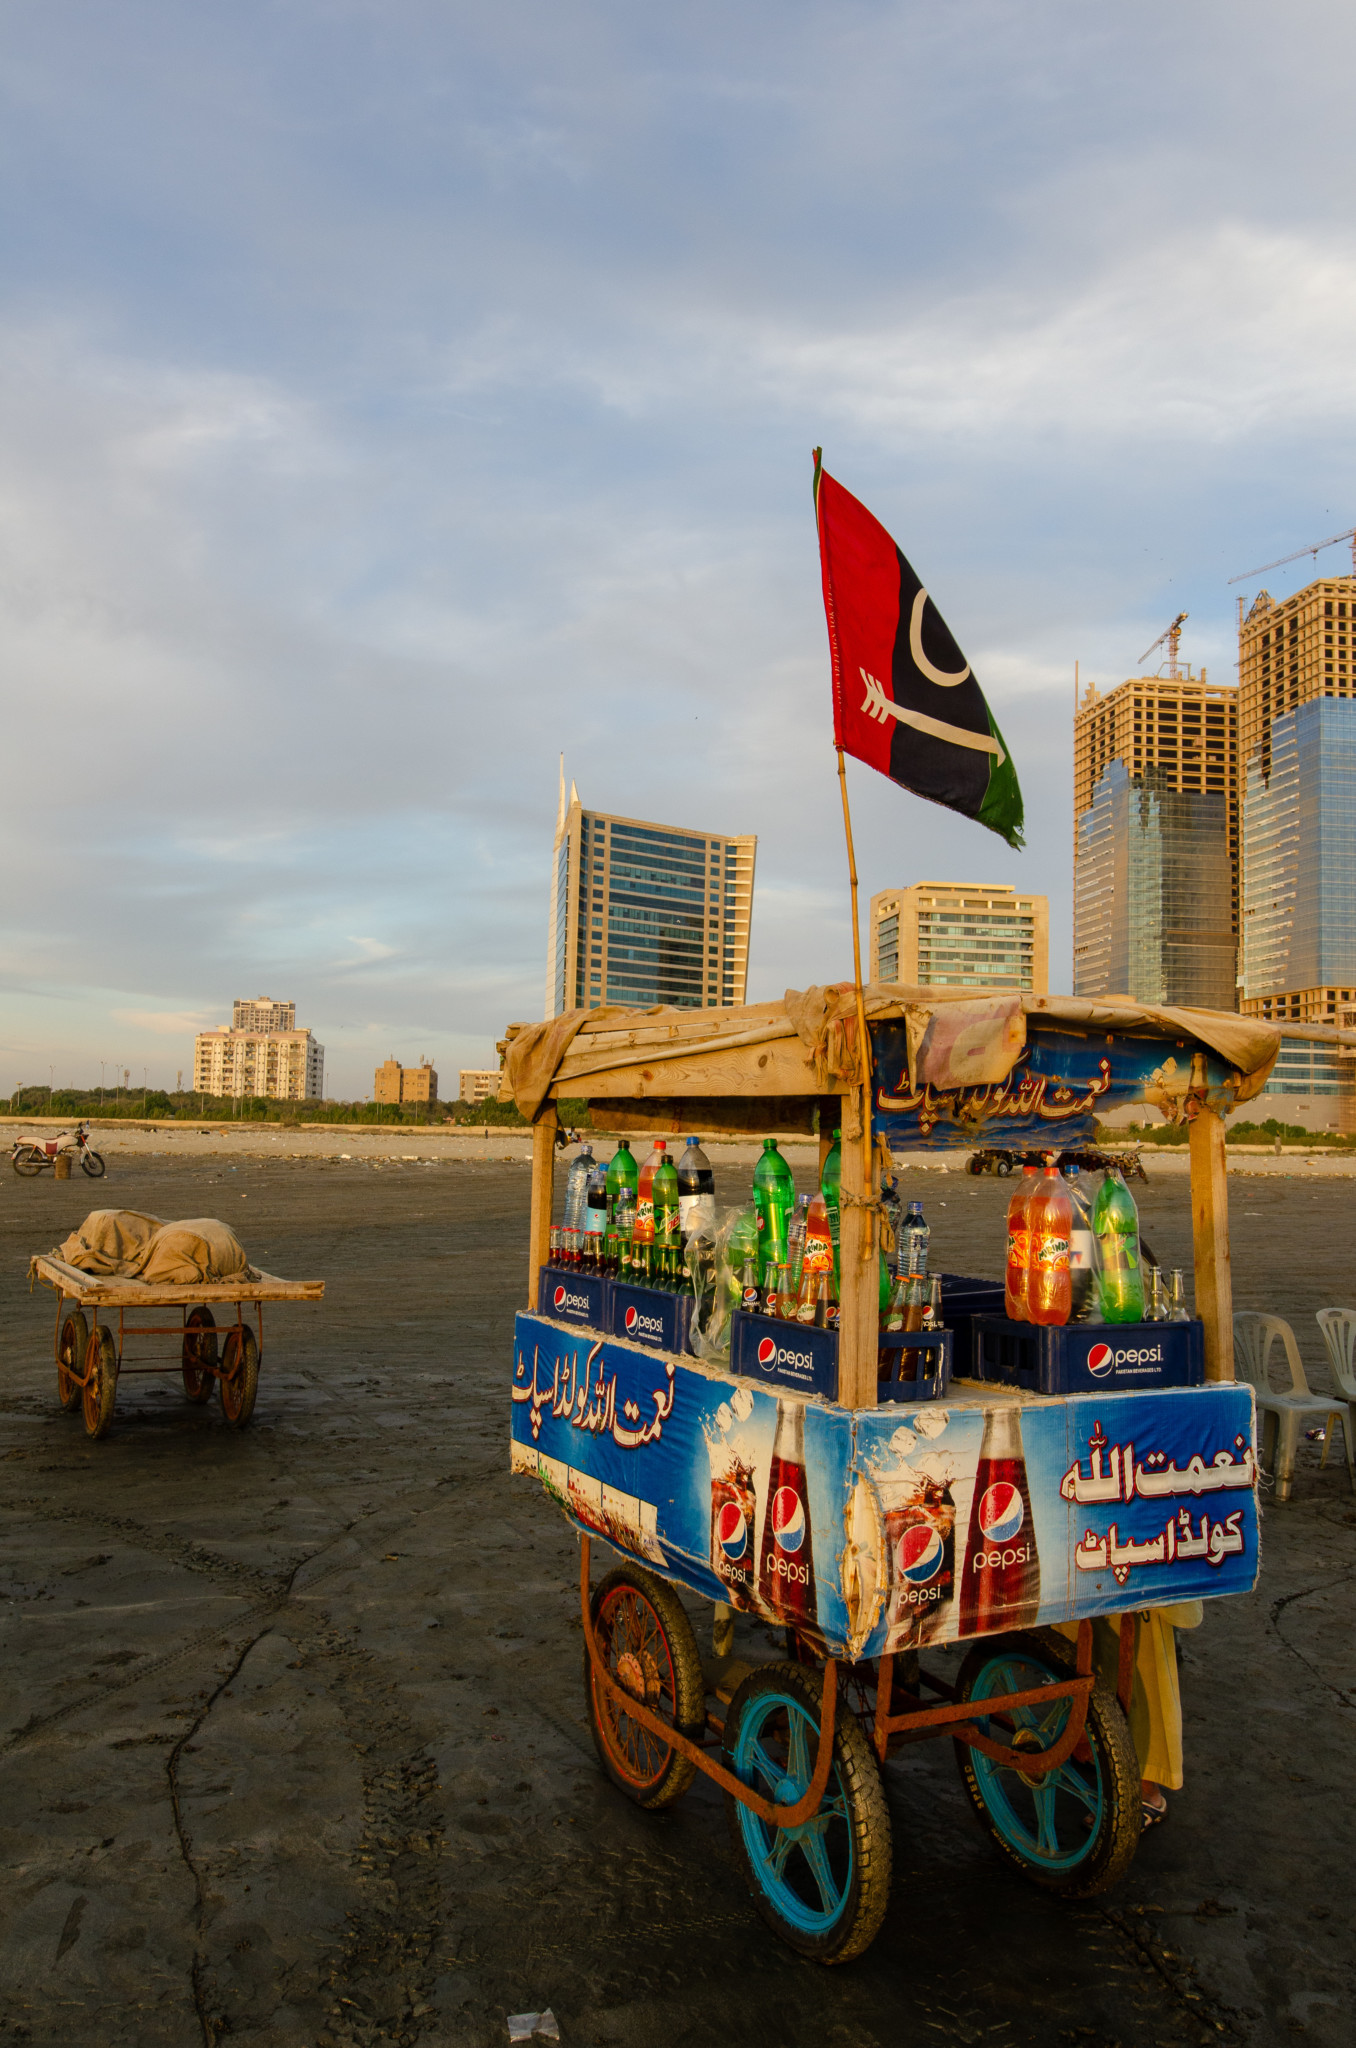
(1339, 1334)
(1254, 1337)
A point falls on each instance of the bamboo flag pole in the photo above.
(863, 1041)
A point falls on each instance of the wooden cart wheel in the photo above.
(824, 1886)
(72, 1345)
(647, 1644)
(101, 1381)
(1074, 1830)
(239, 1375)
(200, 1354)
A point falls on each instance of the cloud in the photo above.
(167, 1023)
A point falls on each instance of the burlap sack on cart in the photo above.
(109, 1242)
(200, 1249)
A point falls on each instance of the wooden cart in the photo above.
(1042, 1734)
(90, 1358)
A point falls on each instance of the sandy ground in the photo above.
(292, 1728)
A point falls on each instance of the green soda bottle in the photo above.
(623, 1176)
(1115, 1225)
(774, 1197)
(830, 1180)
(667, 1234)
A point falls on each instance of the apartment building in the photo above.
(479, 1084)
(283, 1066)
(394, 1083)
(961, 934)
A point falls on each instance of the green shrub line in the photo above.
(155, 1105)
(1235, 1134)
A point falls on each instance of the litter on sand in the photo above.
(533, 2026)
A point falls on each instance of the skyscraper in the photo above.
(645, 913)
(1156, 830)
(1297, 720)
(962, 934)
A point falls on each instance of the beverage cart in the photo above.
(874, 1518)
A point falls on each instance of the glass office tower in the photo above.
(1299, 865)
(1153, 893)
(644, 913)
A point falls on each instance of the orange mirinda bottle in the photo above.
(1049, 1286)
(1018, 1277)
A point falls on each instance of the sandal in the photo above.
(1153, 1816)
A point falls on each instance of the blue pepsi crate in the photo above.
(963, 1299)
(933, 1352)
(573, 1297)
(1087, 1358)
(650, 1316)
(784, 1354)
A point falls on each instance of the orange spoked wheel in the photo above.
(72, 1345)
(101, 1381)
(200, 1354)
(647, 1645)
(239, 1375)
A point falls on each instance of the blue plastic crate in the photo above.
(649, 1316)
(1083, 1358)
(784, 1354)
(573, 1297)
(931, 1378)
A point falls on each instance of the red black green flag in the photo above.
(905, 700)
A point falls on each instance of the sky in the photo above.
(394, 395)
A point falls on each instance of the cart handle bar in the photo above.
(775, 1816)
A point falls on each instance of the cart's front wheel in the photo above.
(646, 1642)
(101, 1381)
(1073, 1830)
(824, 1886)
(72, 1345)
(239, 1375)
(199, 1354)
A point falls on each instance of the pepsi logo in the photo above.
(1001, 1512)
(632, 1318)
(732, 1531)
(1101, 1358)
(788, 1518)
(919, 1553)
(558, 1298)
(767, 1350)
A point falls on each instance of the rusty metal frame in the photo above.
(673, 1738)
(125, 1330)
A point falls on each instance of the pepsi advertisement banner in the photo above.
(885, 1528)
(1062, 1082)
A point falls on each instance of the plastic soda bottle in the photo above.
(830, 1182)
(1082, 1254)
(621, 1173)
(1049, 1292)
(912, 1259)
(1115, 1225)
(581, 1166)
(696, 1190)
(667, 1232)
(774, 1195)
(595, 1218)
(1018, 1275)
(645, 1232)
(795, 1238)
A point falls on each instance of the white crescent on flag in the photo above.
(880, 707)
(934, 675)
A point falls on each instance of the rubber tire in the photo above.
(239, 1382)
(1002, 1167)
(867, 1816)
(101, 1368)
(199, 1353)
(1108, 1735)
(72, 1345)
(973, 1166)
(92, 1163)
(29, 1161)
(686, 1688)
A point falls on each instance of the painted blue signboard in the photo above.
(882, 1528)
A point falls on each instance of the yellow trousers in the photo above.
(1156, 1700)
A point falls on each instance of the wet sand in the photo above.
(293, 1734)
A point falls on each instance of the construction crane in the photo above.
(1172, 635)
(1281, 560)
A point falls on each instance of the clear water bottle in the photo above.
(795, 1238)
(912, 1259)
(581, 1166)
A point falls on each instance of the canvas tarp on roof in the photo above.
(955, 1040)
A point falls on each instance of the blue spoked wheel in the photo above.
(1072, 1830)
(823, 1887)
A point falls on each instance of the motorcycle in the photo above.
(31, 1155)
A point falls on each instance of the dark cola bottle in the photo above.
(1000, 1586)
(786, 1561)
